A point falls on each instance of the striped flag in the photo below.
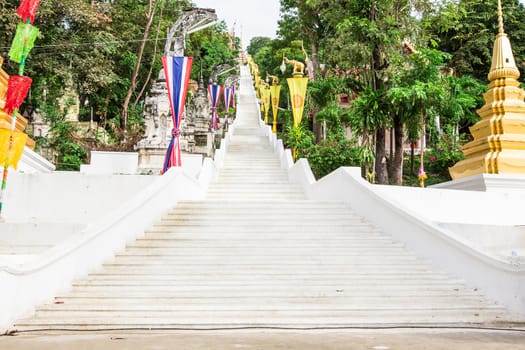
(233, 95)
(227, 97)
(215, 93)
(177, 71)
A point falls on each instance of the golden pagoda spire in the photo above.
(500, 18)
(499, 137)
(503, 63)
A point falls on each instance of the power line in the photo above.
(100, 43)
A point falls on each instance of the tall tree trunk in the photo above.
(146, 82)
(315, 58)
(397, 163)
(412, 155)
(133, 85)
(381, 164)
(390, 157)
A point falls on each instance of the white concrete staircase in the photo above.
(256, 253)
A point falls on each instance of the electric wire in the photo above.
(88, 45)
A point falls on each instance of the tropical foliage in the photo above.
(411, 69)
(108, 53)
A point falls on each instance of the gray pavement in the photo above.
(270, 339)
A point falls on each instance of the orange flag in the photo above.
(297, 94)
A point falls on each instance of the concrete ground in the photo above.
(270, 339)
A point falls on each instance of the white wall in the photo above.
(111, 163)
(458, 206)
(32, 162)
(68, 197)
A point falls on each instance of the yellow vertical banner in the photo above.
(297, 94)
(257, 85)
(11, 155)
(266, 102)
(275, 92)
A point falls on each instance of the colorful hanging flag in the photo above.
(257, 84)
(265, 96)
(214, 91)
(17, 89)
(233, 95)
(227, 98)
(275, 92)
(177, 71)
(422, 176)
(297, 94)
(27, 10)
(12, 142)
(11, 147)
(23, 42)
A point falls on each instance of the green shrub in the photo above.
(445, 153)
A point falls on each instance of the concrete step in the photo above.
(467, 312)
(248, 226)
(79, 304)
(242, 197)
(241, 209)
(281, 220)
(366, 250)
(263, 294)
(136, 278)
(282, 318)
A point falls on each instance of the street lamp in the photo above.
(283, 66)
(86, 103)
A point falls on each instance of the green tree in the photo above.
(257, 43)
(209, 48)
(466, 29)
(109, 51)
(418, 95)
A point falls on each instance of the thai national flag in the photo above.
(177, 71)
(227, 97)
(215, 93)
(233, 95)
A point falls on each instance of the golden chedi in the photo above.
(499, 137)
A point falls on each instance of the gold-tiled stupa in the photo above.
(499, 137)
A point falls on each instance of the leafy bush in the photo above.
(331, 154)
(443, 155)
(62, 139)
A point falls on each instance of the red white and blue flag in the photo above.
(215, 93)
(177, 71)
(233, 95)
(227, 97)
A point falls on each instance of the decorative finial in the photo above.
(500, 18)
(503, 63)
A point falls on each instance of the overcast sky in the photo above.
(253, 17)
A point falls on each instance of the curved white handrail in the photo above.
(499, 278)
(24, 286)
